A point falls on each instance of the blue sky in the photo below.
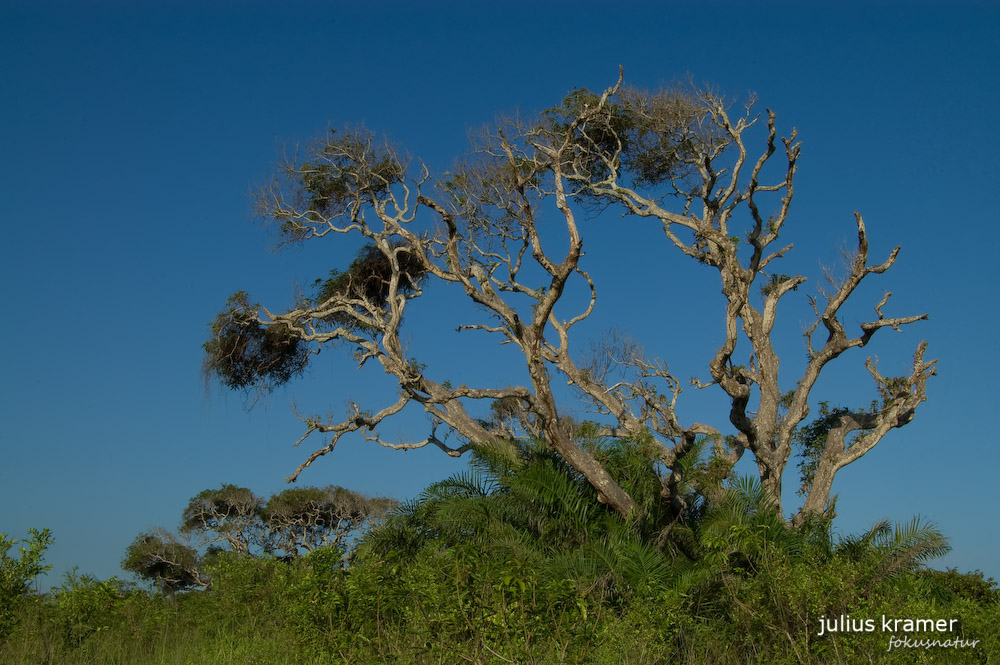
(133, 134)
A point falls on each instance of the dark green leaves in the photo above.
(369, 275)
(593, 135)
(343, 173)
(811, 440)
(242, 353)
(664, 133)
(312, 517)
(159, 558)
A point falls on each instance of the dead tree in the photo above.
(478, 229)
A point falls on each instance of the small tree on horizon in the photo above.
(158, 557)
(308, 518)
(234, 519)
(229, 515)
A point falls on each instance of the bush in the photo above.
(16, 574)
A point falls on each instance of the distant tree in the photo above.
(676, 158)
(159, 558)
(233, 518)
(229, 515)
(308, 518)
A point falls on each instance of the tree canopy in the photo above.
(294, 520)
(678, 158)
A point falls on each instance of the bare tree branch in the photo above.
(679, 158)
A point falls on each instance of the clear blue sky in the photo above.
(133, 133)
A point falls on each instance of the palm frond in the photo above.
(906, 547)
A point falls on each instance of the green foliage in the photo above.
(368, 278)
(632, 464)
(249, 584)
(663, 132)
(16, 574)
(654, 137)
(348, 168)
(309, 518)
(505, 588)
(481, 193)
(229, 515)
(773, 283)
(740, 529)
(242, 353)
(86, 605)
(894, 387)
(811, 440)
(593, 142)
(158, 558)
(896, 549)
(233, 520)
(516, 560)
(951, 585)
(520, 497)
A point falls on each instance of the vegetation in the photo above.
(518, 561)
(235, 520)
(626, 539)
(16, 574)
